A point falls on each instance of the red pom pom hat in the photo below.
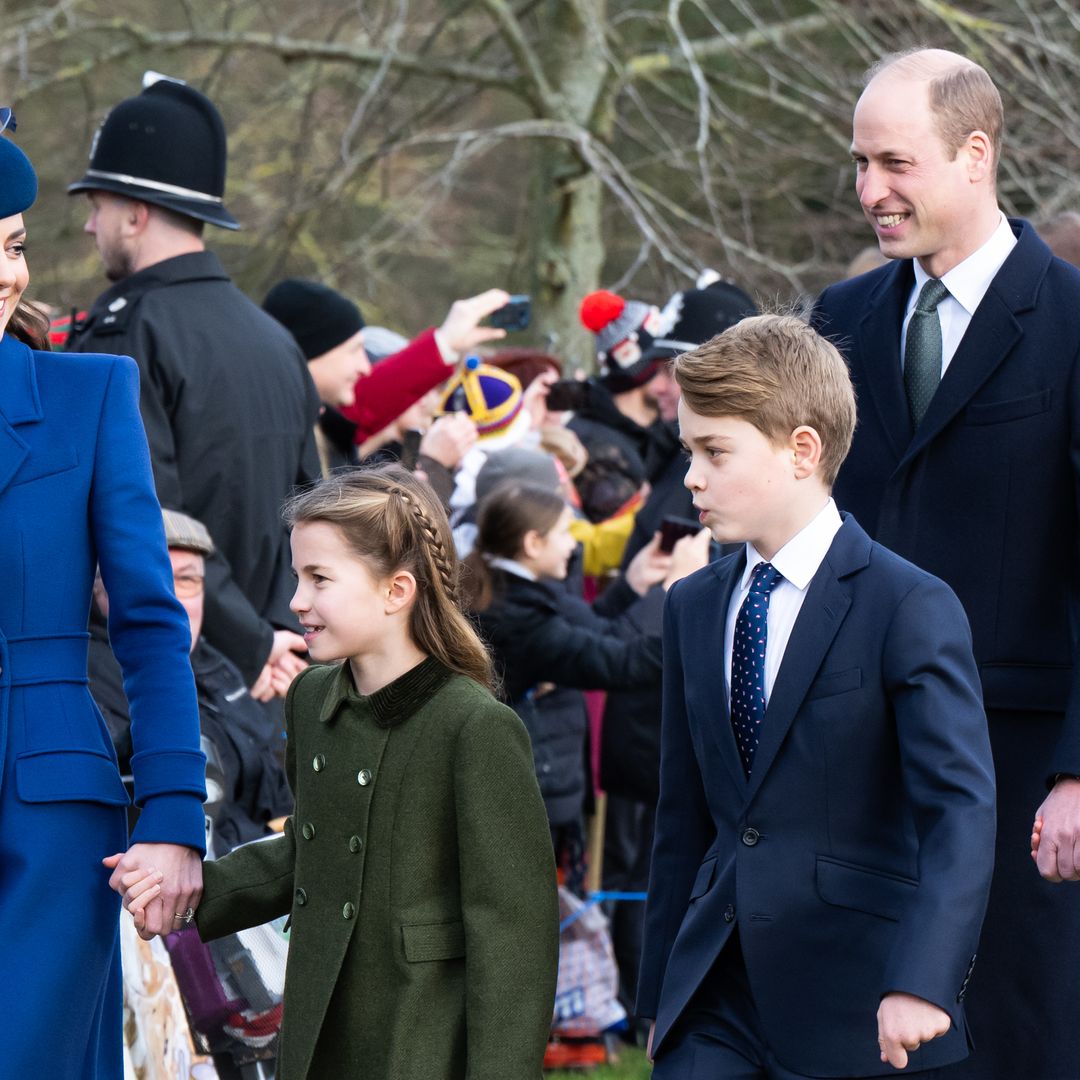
(625, 330)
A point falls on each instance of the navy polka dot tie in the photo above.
(748, 662)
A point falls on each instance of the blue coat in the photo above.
(76, 491)
(857, 858)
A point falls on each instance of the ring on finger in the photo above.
(185, 916)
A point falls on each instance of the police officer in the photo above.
(226, 397)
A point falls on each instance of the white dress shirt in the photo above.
(797, 561)
(967, 283)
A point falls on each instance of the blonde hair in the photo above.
(392, 521)
(777, 373)
(963, 97)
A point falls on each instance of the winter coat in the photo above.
(229, 410)
(75, 491)
(419, 875)
(549, 646)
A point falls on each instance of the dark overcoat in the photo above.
(76, 490)
(984, 494)
(229, 409)
(419, 875)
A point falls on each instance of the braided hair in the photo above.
(392, 521)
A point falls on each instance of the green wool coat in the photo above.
(419, 874)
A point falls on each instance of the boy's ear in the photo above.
(400, 589)
(805, 446)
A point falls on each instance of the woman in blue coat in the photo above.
(76, 491)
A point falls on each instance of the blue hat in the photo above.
(18, 181)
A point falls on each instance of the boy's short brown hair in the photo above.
(777, 373)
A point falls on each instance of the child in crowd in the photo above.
(549, 645)
(417, 867)
(825, 831)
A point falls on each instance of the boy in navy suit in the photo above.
(825, 832)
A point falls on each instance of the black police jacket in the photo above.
(229, 410)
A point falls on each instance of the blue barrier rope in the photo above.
(598, 898)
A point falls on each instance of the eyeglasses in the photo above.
(188, 585)
(7, 119)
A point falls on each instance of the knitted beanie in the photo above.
(318, 317)
(625, 330)
(697, 315)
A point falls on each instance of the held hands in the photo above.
(159, 883)
(1055, 836)
(461, 329)
(905, 1022)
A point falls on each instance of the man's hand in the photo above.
(180, 885)
(449, 439)
(905, 1022)
(282, 666)
(461, 329)
(1055, 839)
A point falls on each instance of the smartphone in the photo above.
(513, 316)
(567, 395)
(673, 529)
(410, 448)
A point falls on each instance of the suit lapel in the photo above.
(19, 404)
(828, 599)
(712, 705)
(991, 335)
(879, 346)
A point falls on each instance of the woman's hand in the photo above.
(690, 553)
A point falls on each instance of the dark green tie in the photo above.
(922, 353)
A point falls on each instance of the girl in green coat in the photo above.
(417, 866)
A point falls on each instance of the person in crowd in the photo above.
(550, 645)
(822, 836)
(964, 352)
(246, 746)
(414, 782)
(869, 258)
(360, 401)
(226, 399)
(1061, 234)
(76, 490)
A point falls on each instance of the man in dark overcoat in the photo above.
(965, 354)
(226, 398)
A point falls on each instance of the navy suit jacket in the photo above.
(857, 858)
(985, 493)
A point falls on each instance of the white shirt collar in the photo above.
(511, 567)
(969, 280)
(799, 559)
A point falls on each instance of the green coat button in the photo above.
(348, 911)
(363, 777)
(318, 763)
(308, 831)
(301, 897)
(355, 844)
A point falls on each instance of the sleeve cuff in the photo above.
(172, 819)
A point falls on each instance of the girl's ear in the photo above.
(531, 544)
(400, 590)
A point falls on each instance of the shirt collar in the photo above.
(509, 566)
(969, 280)
(798, 560)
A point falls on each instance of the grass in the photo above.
(633, 1065)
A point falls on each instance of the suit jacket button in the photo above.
(750, 837)
(301, 897)
(363, 777)
(729, 913)
(355, 844)
(308, 831)
(318, 763)
(349, 910)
